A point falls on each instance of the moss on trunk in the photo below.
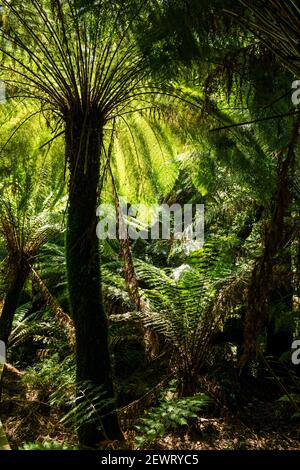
(83, 147)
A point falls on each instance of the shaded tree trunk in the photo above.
(83, 147)
(151, 340)
(12, 300)
(274, 241)
(279, 340)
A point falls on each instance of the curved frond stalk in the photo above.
(277, 25)
(62, 318)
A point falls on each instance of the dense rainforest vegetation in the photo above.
(164, 342)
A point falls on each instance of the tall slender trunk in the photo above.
(279, 340)
(275, 238)
(11, 300)
(84, 133)
(151, 340)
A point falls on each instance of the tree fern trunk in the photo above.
(151, 340)
(12, 300)
(258, 296)
(83, 148)
(4, 445)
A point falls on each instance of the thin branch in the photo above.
(254, 121)
(19, 127)
(51, 140)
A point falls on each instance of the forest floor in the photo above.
(255, 429)
(257, 425)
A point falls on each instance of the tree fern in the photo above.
(187, 312)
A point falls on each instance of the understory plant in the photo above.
(171, 414)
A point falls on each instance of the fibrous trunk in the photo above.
(83, 148)
(151, 341)
(12, 300)
(274, 241)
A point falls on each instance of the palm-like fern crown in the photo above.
(27, 217)
(189, 310)
(66, 56)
